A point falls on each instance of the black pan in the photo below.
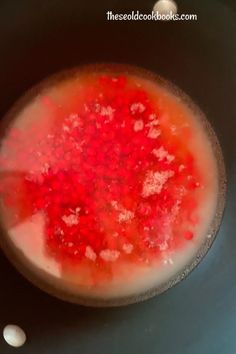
(40, 38)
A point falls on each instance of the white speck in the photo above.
(154, 182)
(152, 116)
(59, 231)
(65, 128)
(76, 124)
(109, 255)
(128, 248)
(182, 191)
(70, 244)
(14, 335)
(77, 210)
(105, 112)
(125, 215)
(175, 210)
(138, 125)
(73, 116)
(70, 220)
(137, 108)
(173, 129)
(170, 158)
(163, 246)
(154, 133)
(168, 261)
(162, 154)
(90, 254)
(209, 236)
(114, 203)
(86, 108)
(153, 122)
(45, 168)
(29, 177)
(181, 168)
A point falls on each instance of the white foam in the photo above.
(154, 182)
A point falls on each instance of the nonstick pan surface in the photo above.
(38, 39)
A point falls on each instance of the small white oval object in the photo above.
(164, 7)
(14, 335)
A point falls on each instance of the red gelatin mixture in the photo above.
(107, 177)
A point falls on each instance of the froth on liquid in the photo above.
(108, 183)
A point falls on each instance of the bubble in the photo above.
(14, 335)
(165, 7)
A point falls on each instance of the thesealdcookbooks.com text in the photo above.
(153, 16)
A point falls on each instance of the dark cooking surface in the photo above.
(39, 38)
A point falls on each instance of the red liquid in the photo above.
(109, 161)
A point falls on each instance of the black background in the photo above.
(38, 38)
